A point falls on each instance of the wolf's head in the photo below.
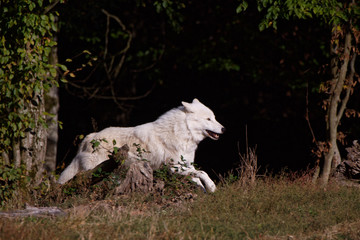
(201, 121)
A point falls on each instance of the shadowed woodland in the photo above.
(281, 76)
(150, 57)
(285, 72)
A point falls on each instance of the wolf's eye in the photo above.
(208, 119)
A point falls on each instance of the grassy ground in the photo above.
(270, 209)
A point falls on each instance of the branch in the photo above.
(106, 97)
(307, 116)
(113, 64)
(349, 88)
(51, 6)
(114, 17)
(110, 72)
(127, 98)
(342, 77)
(106, 34)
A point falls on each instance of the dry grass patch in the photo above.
(274, 208)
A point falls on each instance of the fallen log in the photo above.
(30, 211)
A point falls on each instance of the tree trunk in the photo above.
(337, 105)
(52, 107)
(33, 146)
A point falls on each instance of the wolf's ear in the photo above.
(195, 100)
(187, 106)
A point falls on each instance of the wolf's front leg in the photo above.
(205, 179)
(198, 176)
(197, 181)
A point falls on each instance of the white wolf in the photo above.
(171, 139)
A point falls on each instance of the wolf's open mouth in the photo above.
(213, 135)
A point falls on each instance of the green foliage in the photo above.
(69, 191)
(140, 151)
(182, 163)
(221, 64)
(330, 12)
(172, 10)
(10, 179)
(99, 173)
(96, 144)
(25, 73)
(172, 181)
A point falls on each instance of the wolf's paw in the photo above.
(198, 182)
(211, 187)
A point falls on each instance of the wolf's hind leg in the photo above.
(69, 172)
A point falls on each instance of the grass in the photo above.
(273, 208)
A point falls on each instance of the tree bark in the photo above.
(33, 146)
(52, 107)
(139, 178)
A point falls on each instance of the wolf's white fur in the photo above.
(171, 139)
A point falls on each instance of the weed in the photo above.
(140, 151)
(69, 191)
(95, 143)
(171, 180)
(11, 179)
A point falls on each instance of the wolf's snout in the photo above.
(223, 130)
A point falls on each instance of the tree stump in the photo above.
(109, 177)
(350, 168)
(102, 170)
(139, 178)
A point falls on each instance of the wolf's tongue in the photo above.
(213, 134)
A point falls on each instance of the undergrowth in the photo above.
(272, 208)
(282, 206)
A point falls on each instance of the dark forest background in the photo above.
(263, 81)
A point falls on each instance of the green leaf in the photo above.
(31, 6)
(53, 72)
(62, 67)
(242, 7)
(49, 114)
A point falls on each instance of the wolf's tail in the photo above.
(69, 172)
